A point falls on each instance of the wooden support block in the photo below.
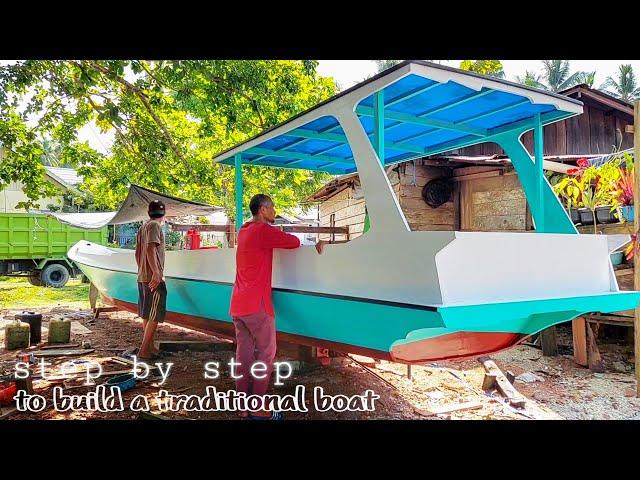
(579, 331)
(594, 358)
(490, 382)
(100, 310)
(515, 398)
(93, 296)
(549, 341)
(25, 384)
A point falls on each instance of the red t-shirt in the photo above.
(254, 261)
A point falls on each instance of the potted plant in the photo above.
(607, 177)
(587, 212)
(625, 189)
(569, 192)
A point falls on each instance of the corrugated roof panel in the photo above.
(430, 107)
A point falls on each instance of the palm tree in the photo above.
(385, 64)
(625, 86)
(587, 78)
(51, 153)
(556, 75)
(531, 79)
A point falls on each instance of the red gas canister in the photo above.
(193, 239)
(7, 392)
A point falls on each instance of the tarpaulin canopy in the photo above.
(134, 209)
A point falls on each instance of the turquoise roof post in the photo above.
(378, 120)
(238, 188)
(538, 151)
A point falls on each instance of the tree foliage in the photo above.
(386, 64)
(531, 79)
(557, 75)
(624, 86)
(169, 118)
(492, 68)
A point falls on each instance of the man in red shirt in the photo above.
(251, 306)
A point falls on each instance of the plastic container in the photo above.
(59, 331)
(123, 382)
(605, 215)
(35, 323)
(627, 212)
(16, 335)
(616, 258)
(586, 216)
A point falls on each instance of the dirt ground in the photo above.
(555, 388)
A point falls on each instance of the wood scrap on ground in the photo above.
(126, 361)
(7, 412)
(452, 407)
(495, 378)
(62, 352)
(60, 345)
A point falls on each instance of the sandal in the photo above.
(274, 416)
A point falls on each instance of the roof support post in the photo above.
(378, 121)
(382, 204)
(238, 189)
(538, 152)
(552, 218)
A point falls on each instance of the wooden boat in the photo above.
(392, 293)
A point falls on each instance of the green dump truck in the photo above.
(36, 246)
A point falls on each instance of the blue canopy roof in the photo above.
(428, 109)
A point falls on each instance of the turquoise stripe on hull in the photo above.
(364, 324)
(367, 325)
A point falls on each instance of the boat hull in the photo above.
(386, 330)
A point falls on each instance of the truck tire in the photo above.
(54, 275)
(35, 280)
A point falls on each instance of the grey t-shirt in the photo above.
(150, 232)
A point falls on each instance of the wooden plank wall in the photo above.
(347, 210)
(408, 189)
(419, 215)
(493, 204)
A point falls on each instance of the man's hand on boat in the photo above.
(320, 246)
(155, 281)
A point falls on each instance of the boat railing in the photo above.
(229, 230)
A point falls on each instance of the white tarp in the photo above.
(134, 209)
(85, 220)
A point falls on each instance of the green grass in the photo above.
(17, 292)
